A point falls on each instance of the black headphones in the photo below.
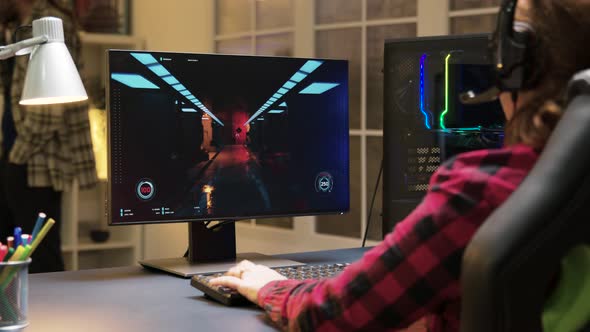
(511, 47)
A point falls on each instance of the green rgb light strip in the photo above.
(442, 115)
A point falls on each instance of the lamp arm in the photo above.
(9, 51)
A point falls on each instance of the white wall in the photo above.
(172, 26)
(433, 19)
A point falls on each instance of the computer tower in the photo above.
(425, 120)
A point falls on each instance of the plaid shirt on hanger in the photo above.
(52, 140)
(415, 271)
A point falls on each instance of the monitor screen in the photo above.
(217, 137)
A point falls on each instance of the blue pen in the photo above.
(38, 224)
(17, 236)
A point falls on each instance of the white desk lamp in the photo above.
(52, 77)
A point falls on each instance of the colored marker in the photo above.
(16, 256)
(10, 241)
(25, 239)
(8, 273)
(10, 252)
(41, 235)
(3, 252)
(25, 253)
(38, 224)
(22, 253)
(17, 236)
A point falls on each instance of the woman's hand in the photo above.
(247, 278)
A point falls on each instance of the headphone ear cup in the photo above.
(522, 37)
(512, 52)
(525, 38)
(515, 72)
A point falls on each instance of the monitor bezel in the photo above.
(108, 197)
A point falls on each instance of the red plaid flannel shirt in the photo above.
(415, 271)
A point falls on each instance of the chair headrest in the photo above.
(579, 84)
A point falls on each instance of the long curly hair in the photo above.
(560, 49)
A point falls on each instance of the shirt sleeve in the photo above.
(410, 274)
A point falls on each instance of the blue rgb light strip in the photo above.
(422, 90)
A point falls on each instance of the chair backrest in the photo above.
(509, 264)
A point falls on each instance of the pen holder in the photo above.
(14, 294)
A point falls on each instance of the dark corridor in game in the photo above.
(223, 136)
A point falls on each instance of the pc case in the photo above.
(425, 120)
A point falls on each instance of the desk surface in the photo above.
(135, 299)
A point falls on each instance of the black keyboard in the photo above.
(231, 297)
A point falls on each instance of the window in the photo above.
(254, 27)
(473, 16)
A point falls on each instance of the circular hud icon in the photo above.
(145, 189)
(324, 182)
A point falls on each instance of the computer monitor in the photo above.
(211, 139)
(426, 120)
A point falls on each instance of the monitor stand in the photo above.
(211, 250)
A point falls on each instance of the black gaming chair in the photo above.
(510, 262)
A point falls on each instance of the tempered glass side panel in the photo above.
(425, 121)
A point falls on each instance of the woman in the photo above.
(415, 271)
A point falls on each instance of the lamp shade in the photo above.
(52, 77)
